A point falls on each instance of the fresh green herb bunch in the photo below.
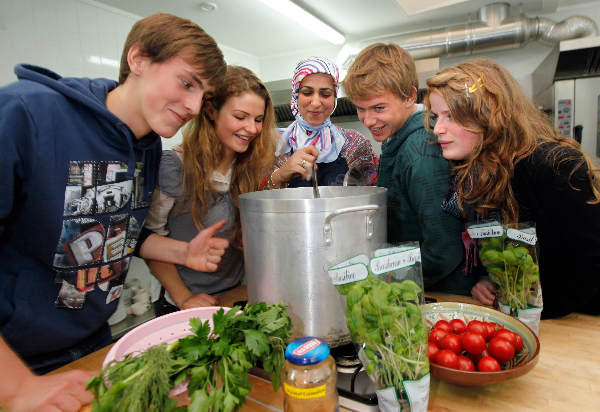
(510, 266)
(386, 318)
(215, 363)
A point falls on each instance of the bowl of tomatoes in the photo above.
(473, 345)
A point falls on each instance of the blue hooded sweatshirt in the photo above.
(75, 186)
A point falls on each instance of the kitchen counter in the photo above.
(566, 377)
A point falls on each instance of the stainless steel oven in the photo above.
(577, 93)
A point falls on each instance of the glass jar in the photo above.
(309, 377)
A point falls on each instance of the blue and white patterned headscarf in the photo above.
(325, 137)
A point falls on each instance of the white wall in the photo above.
(66, 36)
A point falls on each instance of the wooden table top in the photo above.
(566, 377)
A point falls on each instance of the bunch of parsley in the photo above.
(215, 362)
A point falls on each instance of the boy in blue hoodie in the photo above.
(382, 83)
(78, 166)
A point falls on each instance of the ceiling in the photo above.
(252, 27)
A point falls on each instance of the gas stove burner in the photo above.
(345, 357)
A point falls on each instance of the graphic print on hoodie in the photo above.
(99, 254)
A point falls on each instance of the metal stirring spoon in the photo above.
(315, 183)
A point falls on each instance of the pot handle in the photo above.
(372, 209)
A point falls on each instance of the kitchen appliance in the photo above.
(290, 239)
(577, 93)
(355, 389)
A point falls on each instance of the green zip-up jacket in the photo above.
(416, 175)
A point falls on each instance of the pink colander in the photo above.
(164, 329)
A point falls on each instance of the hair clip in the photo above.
(476, 86)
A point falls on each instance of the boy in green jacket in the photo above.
(382, 83)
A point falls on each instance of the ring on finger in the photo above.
(303, 163)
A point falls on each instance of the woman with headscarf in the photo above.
(313, 138)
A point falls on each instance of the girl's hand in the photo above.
(199, 300)
(484, 291)
(204, 252)
(300, 163)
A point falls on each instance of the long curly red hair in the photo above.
(510, 128)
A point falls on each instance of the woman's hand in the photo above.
(300, 163)
(200, 300)
(203, 253)
(484, 291)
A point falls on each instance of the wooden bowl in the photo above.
(525, 360)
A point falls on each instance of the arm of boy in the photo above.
(23, 391)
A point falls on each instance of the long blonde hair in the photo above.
(203, 150)
(484, 98)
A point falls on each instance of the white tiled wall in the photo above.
(73, 38)
(66, 36)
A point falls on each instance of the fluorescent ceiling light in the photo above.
(299, 15)
(105, 61)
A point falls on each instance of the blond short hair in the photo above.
(381, 67)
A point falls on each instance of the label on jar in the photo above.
(305, 393)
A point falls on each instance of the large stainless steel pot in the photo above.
(291, 239)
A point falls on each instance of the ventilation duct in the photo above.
(494, 31)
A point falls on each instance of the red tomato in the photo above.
(488, 364)
(483, 354)
(458, 326)
(518, 342)
(432, 350)
(491, 329)
(496, 326)
(473, 343)
(479, 327)
(436, 336)
(501, 349)
(443, 325)
(465, 363)
(507, 335)
(447, 358)
(451, 342)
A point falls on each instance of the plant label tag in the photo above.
(362, 258)
(485, 230)
(348, 274)
(390, 250)
(526, 235)
(391, 262)
(417, 392)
